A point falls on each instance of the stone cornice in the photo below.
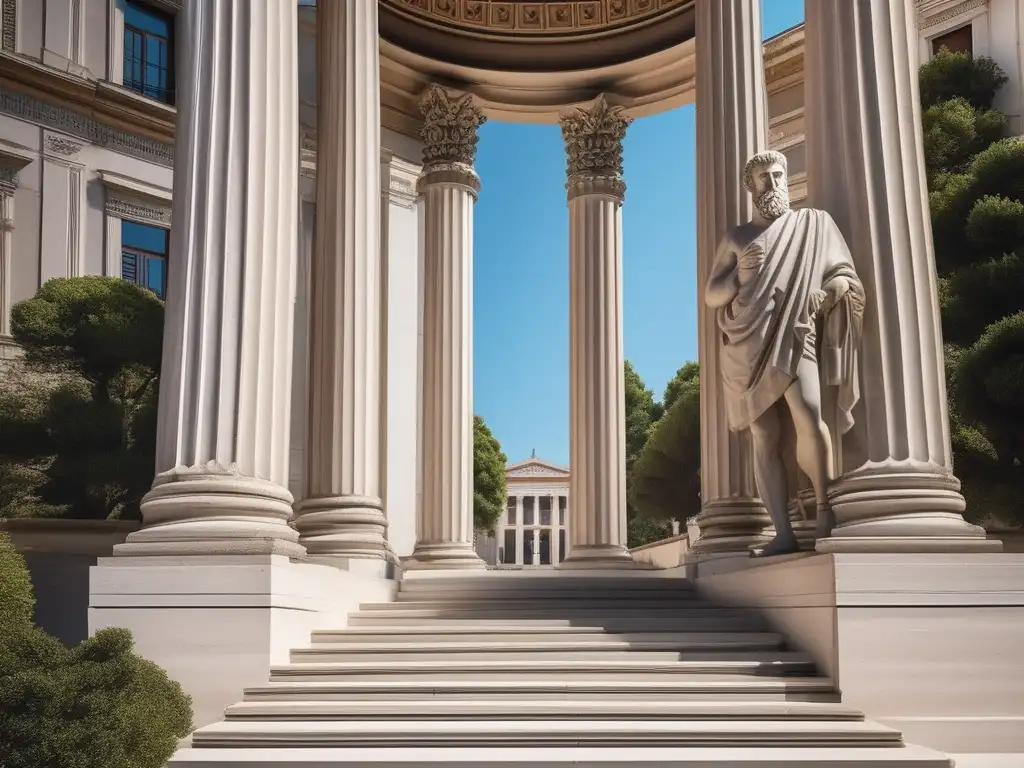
(98, 111)
(933, 14)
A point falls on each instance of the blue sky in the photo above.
(521, 282)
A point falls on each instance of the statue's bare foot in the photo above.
(780, 545)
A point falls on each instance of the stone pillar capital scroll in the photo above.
(593, 137)
(451, 120)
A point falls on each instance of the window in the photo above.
(528, 511)
(545, 510)
(959, 40)
(561, 510)
(148, 54)
(510, 510)
(144, 256)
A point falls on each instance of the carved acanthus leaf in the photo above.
(593, 139)
(450, 123)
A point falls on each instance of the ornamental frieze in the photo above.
(498, 16)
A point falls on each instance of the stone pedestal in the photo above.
(597, 400)
(449, 187)
(342, 517)
(731, 127)
(897, 491)
(225, 387)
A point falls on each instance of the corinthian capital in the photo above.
(450, 122)
(593, 140)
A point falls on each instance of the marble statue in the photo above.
(789, 306)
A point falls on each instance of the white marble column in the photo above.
(866, 168)
(732, 126)
(225, 386)
(449, 187)
(342, 517)
(519, 530)
(597, 444)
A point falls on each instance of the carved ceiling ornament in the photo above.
(450, 123)
(537, 18)
(593, 140)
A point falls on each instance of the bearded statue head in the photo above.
(766, 178)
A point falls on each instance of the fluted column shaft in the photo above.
(866, 168)
(597, 396)
(225, 385)
(449, 187)
(342, 516)
(7, 187)
(732, 126)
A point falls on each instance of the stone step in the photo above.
(568, 757)
(595, 614)
(512, 606)
(538, 709)
(665, 650)
(733, 689)
(540, 639)
(572, 732)
(775, 663)
(553, 593)
(533, 582)
(705, 621)
(415, 635)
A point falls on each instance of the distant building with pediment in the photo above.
(534, 529)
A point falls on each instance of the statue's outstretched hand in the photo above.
(815, 302)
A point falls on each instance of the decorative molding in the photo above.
(593, 142)
(538, 18)
(123, 208)
(31, 109)
(450, 123)
(63, 146)
(8, 179)
(924, 21)
(9, 19)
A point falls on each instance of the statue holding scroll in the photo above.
(789, 306)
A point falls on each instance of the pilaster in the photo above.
(597, 400)
(449, 188)
(731, 127)
(222, 442)
(10, 165)
(342, 517)
(897, 491)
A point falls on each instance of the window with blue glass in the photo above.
(148, 51)
(144, 256)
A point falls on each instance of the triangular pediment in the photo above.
(534, 467)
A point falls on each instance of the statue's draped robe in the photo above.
(767, 329)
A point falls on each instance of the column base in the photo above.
(339, 529)
(882, 509)
(214, 511)
(444, 555)
(732, 525)
(599, 556)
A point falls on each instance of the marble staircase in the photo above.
(506, 669)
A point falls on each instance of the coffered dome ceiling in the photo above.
(549, 36)
(528, 61)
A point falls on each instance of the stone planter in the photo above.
(59, 554)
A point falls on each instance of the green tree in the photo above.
(666, 474)
(976, 196)
(78, 414)
(98, 705)
(489, 486)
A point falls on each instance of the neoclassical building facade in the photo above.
(534, 528)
